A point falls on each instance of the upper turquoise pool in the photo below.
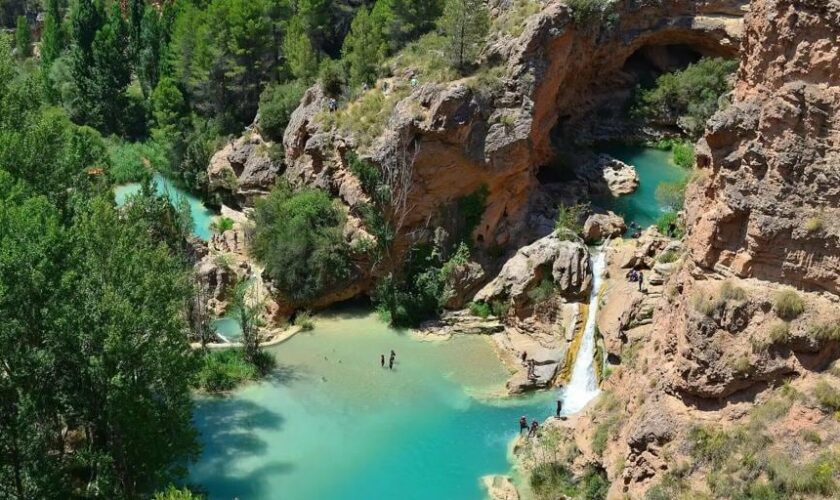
(654, 167)
(201, 215)
(332, 424)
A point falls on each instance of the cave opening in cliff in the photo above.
(650, 62)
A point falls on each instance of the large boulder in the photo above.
(461, 283)
(564, 263)
(601, 226)
(607, 175)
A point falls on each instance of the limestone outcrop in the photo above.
(605, 175)
(563, 264)
(450, 139)
(737, 331)
(769, 206)
(244, 169)
(601, 226)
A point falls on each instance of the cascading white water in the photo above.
(583, 385)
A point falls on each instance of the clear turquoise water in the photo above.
(228, 328)
(654, 167)
(201, 215)
(332, 424)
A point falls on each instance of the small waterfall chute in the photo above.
(583, 383)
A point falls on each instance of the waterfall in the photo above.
(583, 385)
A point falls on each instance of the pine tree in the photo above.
(112, 71)
(405, 20)
(364, 48)
(298, 50)
(23, 38)
(465, 23)
(52, 37)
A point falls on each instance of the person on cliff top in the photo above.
(524, 357)
(523, 424)
(534, 428)
(382, 360)
(641, 280)
(559, 408)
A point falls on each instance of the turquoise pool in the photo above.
(201, 215)
(654, 167)
(332, 424)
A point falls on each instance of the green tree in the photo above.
(223, 57)
(247, 309)
(687, 98)
(277, 103)
(364, 48)
(23, 37)
(301, 56)
(298, 237)
(111, 73)
(52, 37)
(405, 20)
(465, 23)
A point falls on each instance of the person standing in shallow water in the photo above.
(391, 360)
(382, 360)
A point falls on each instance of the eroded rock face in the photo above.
(244, 169)
(770, 206)
(565, 264)
(453, 139)
(601, 226)
(761, 221)
(605, 175)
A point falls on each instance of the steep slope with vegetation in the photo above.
(729, 389)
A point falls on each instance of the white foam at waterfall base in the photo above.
(583, 385)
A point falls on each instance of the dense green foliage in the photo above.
(590, 13)
(94, 373)
(687, 98)
(277, 103)
(298, 237)
(224, 370)
(683, 154)
(23, 37)
(364, 48)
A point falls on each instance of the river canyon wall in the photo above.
(726, 365)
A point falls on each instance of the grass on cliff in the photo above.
(364, 118)
(744, 462)
(788, 305)
(513, 20)
(727, 292)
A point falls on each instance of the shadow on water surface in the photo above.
(229, 429)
